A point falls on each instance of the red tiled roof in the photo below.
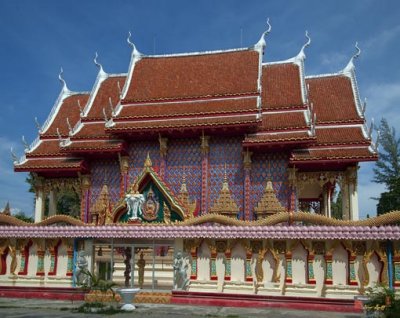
(333, 99)
(196, 108)
(93, 145)
(193, 76)
(46, 148)
(284, 120)
(358, 154)
(222, 121)
(69, 109)
(341, 136)
(108, 88)
(53, 163)
(281, 86)
(275, 138)
(91, 130)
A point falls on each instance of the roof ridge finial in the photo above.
(38, 126)
(261, 42)
(132, 45)
(62, 80)
(105, 115)
(96, 62)
(301, 53)
(14, 156)
(350, 66)
(111, 106)
(26, 146)
(147, 162)
(80, 107)
(59, 134)
(69, 126)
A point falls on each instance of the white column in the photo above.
(326, 199)
(354, 213)
(328, 203)
(39, 204)
(52, 202)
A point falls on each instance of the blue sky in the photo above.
(38, 37)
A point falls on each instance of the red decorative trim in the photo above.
(3, 260)
(42, 293)
(261, 301)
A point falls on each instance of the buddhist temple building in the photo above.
(230, 159)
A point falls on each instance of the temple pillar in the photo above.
(396, 264)
(353, 195)
(205, 149)
(40, 251)
(40, 199)
(247, 185)
(23, 247)
(70, 257)
(325, 200)
(52, 202)
(163, 156)
(213, 263)
(52, 248)
(124, 180)
(85, 198)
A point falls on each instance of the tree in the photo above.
(336, 206)
(68, 201)
(387, 169)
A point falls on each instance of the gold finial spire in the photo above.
(147, 162)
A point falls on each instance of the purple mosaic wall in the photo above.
(184, 156)
(105, 171)
(226, 150)
(137, 155)
(270, 166)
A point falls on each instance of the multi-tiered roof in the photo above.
(318, 119)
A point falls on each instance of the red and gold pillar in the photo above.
(205, 149)
(247, 185)
(163, 156)
(85, 198)
(124, 179)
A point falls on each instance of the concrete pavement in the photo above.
(13, 307)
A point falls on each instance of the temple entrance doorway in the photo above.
(145, 264)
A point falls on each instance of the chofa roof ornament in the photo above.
(301, 54)
(65, 87)
(132, 45)
(260, 45)
(96, 62)
(350, 66)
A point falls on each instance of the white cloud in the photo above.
(384, 101)
(378, 43)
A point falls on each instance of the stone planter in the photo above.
(127, 295)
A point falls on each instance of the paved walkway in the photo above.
(13, 307)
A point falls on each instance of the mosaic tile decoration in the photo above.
(106, 170)
(269, 166)
(184, 157)
(226, 150)
(137, 155)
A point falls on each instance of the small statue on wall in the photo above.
(134, 200)
(141, 264)
(81, 277)
(180, 272)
